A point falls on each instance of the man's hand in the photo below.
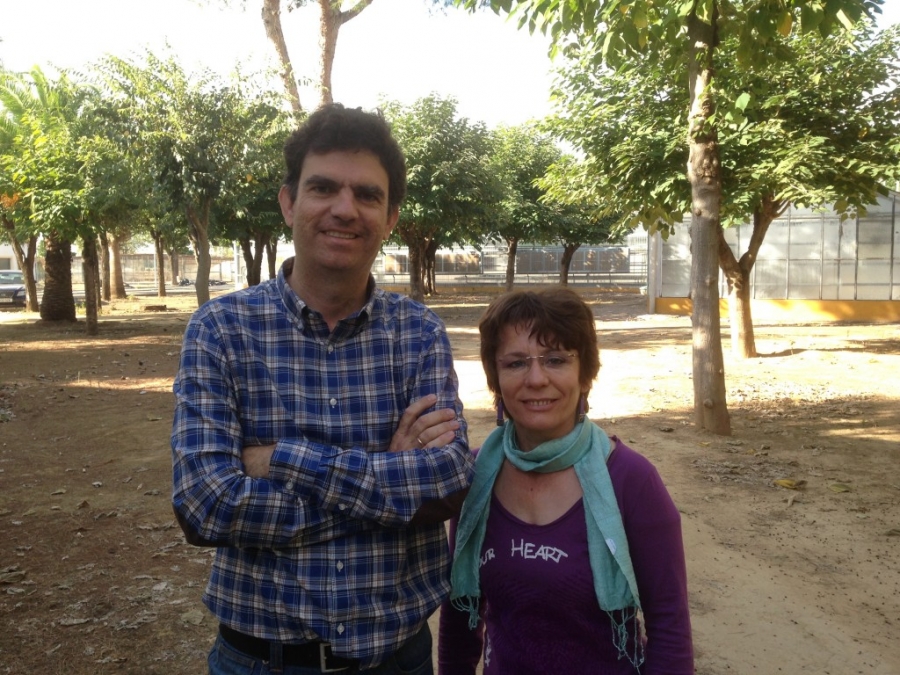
(256, 460)
(417, 430)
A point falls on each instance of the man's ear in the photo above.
(392, 218)
(287, 206)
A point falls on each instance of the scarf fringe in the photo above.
(470, 604)
(619, 621)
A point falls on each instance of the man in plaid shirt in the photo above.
(318, 439)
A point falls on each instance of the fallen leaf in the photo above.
(193, 617)
(11, 575)
(789, 483)
(72, 622)
(839, 487)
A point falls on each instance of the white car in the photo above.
(12, 288)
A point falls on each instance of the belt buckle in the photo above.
(324, 655)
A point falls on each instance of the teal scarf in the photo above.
(587, 447)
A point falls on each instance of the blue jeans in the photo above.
(413, 658)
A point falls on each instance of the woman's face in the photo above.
(539, 394)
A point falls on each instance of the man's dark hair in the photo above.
(336, 128)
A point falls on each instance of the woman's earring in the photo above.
(500, 413)
(582, 409)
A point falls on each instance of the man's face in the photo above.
(340, 216)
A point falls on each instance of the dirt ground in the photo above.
(95, 576)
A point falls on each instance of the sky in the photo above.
(396, 49)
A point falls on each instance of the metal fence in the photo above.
(606, 266)
(611, 266)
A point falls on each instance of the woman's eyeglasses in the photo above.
(550, 362)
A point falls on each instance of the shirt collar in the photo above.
(305, 315)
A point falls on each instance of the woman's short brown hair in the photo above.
(558, 319)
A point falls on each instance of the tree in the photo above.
(331, 18)
(24, 251)
(575, 225)
(117, 185)
(522, 156)
(199, 135)
(684, 37)
(40, 164)
(249, 213)
(818, 127)
(451, 190)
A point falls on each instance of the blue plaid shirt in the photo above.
(321, 550)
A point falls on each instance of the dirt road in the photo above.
(96, 578)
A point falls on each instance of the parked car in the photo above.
(12, 288)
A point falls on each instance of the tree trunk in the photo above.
(160, 252)
(416, 268)
(271, 18)
(430, 262)
(105, 267)
(271, 254)
(253, 255)
(743, 343)
(199, 234)
(566, 263)
(331, 18)
(58, 302)
(118, 277)
(25, 259)
(90, 269)
(174, 264)
(512, 245)
(704, 175)
(329, 27)
(737, 274)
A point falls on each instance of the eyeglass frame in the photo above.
(504, 367)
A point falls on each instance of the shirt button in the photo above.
(342, 507)
(333, 401)
(289, 486)
(340, 629)
(340, 565)
(330, 348)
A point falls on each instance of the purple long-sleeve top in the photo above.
(540, 611)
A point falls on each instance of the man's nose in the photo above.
(344, 205)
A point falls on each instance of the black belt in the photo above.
(306, 655)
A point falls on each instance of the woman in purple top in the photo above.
(568, 552)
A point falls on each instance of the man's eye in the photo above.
(367, 197)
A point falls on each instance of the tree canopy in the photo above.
(684, 38)
(451, 191)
